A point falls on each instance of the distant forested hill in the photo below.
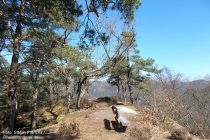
(101, 89)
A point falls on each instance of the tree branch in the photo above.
(94, 8)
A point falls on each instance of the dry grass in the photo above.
(144, 126)
(140, 134)
(180, 134)
(68, 131)
(85, 104)
(200, 133)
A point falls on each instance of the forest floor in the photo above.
(92, 126)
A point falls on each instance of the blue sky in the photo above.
(176, 33)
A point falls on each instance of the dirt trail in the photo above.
(91, 124)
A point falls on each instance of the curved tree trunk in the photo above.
(78, 96)
(79, 90)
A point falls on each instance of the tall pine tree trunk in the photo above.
(79, 89)
(68, 93)
(130, 91)
(123, 92)
(34, 78)
(12, 93)
(34, 113)
(129, 78)
(78, 96)
(13, 88)
(50, 89)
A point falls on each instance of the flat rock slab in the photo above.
(124, 109)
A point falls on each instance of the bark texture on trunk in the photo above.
(50, 90)
(123, 92)
(13, 88)
(79, 90)
(12, 91)
(129, 79)
(34, 78)
(69, 92)
(34, 113)
(131, 92)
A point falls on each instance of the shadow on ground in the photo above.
(118, 127)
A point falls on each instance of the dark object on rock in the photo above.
(107, 124)
(118, 126)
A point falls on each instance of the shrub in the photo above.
(180, 134)
(140, 134)
(68, 131)
(85, 103)
(115, 99)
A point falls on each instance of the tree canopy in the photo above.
(37, 36)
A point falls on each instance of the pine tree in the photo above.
(22, 18)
